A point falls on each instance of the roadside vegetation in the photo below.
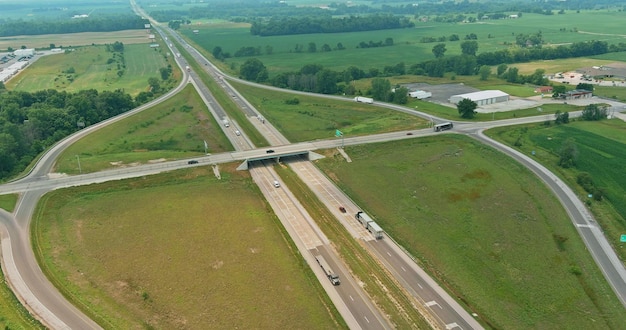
(173, 129)
(12, 314)
(181, 251)
(595, 172)
(8, 202)
(484, 227)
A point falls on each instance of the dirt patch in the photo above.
(153, 161)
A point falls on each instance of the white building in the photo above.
(481, 97)
(420, 94)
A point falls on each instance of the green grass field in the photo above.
(485, 227)
(173, 129)
(92, 70)
(601, 149)
(180, 252)
(317, 118)
(7, 202)
(492, 35)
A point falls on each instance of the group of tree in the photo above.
(306, 25)
(31, 122)
(89, 24)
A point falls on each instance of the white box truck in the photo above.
(362, 99)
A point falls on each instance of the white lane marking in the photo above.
(403, 268)
(452, 326)
(351, 298)
(421, 287)
(389, 254)
(432, 303)
(365, 317)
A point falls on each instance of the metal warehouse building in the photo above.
(481, 97)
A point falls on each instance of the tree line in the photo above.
(89, 24)
(307, 25)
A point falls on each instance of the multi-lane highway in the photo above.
(443, 311)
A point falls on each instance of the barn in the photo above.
(481, 97)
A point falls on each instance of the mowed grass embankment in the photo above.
(95, 68)
(173, 129)
(318, 118)
(178, 250)
(601, 150)
(485, 227)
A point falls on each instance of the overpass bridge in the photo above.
(276, 156)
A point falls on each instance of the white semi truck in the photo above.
(362, 99)
(334, 278)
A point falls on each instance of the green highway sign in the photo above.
(622, 238)
(338, 133)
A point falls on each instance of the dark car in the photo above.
(270, 151)
(192, 162)
(342, 209)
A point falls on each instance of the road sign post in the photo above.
(622, 238)
(339, 134)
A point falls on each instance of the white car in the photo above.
(276, 184)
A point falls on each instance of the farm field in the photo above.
(492, 35)
(71, 40)
(173, 129)
(317, 118)
(94, 67)
(180, 251)
(601, 148)
(485, 227)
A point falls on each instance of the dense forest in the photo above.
(88, 24)
(31, 122)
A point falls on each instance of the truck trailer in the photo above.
(362, 99)
(334, 279)
(369, 224)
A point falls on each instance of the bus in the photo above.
(443, 126)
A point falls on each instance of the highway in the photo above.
(44, 300)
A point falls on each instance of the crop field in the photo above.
(485, 227)
(601, 148)
(407, 48)
(70, 40)
(317, 118)
(92, 66)
(173, 129)
(180, 252)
